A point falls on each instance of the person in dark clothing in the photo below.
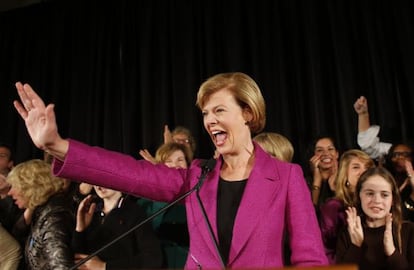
(101, 219)
(376, 235)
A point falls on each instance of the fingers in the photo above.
(20, 109)
(315, 161)
(167, 135)
(351, 216)
(50, 110)
(361, 105)
(29, 100)
(84, 204)
(32, 95)
(87, 205)
(361, 100)
(389, 246)
(25, 96)
(144, 153)
(79, 256)
(358, 224)
(408, 167)
(166, 129)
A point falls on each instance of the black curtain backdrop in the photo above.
(118, 70)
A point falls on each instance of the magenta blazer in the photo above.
(276, 201)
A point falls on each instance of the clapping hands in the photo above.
(356, 232)
(354, 226)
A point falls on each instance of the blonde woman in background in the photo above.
(48, 215)
(276, 145)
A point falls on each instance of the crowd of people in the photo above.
(250, 207)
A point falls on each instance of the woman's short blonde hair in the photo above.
(35, 181)
(166, 150)
(245, 91)
(276, 145)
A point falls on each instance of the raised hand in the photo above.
(410, 172)
(361, 105)
(84, 214)
(314, 163)
(354, 226)
(410, 175)
(389, 247)
(167, 135)
(145, 154)
(40, 121)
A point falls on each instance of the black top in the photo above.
(228, 201)
(139, 249)
(371, 254)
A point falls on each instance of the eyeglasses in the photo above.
(405, 154)
(182, 141)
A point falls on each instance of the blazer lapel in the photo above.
(260, 190)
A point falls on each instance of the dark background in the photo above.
(118, 70)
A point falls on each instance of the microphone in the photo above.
(206, 167)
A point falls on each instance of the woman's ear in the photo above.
(247, 115)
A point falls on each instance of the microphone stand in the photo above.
(210, 229)
(206, 167)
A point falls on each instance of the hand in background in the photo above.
(361, 105)
(410, 176)
(332, 177)
(145, 154)
(389, 247)
(95, 263)
(84, 214)
(354, 226)
(167, 135)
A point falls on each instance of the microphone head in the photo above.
(208, 165)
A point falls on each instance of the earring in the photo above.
(347, 184)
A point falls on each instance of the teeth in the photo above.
(215, 132)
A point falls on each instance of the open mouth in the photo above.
(219, 137)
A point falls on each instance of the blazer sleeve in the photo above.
(98, 166)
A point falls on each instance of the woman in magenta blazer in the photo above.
(251, 200)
